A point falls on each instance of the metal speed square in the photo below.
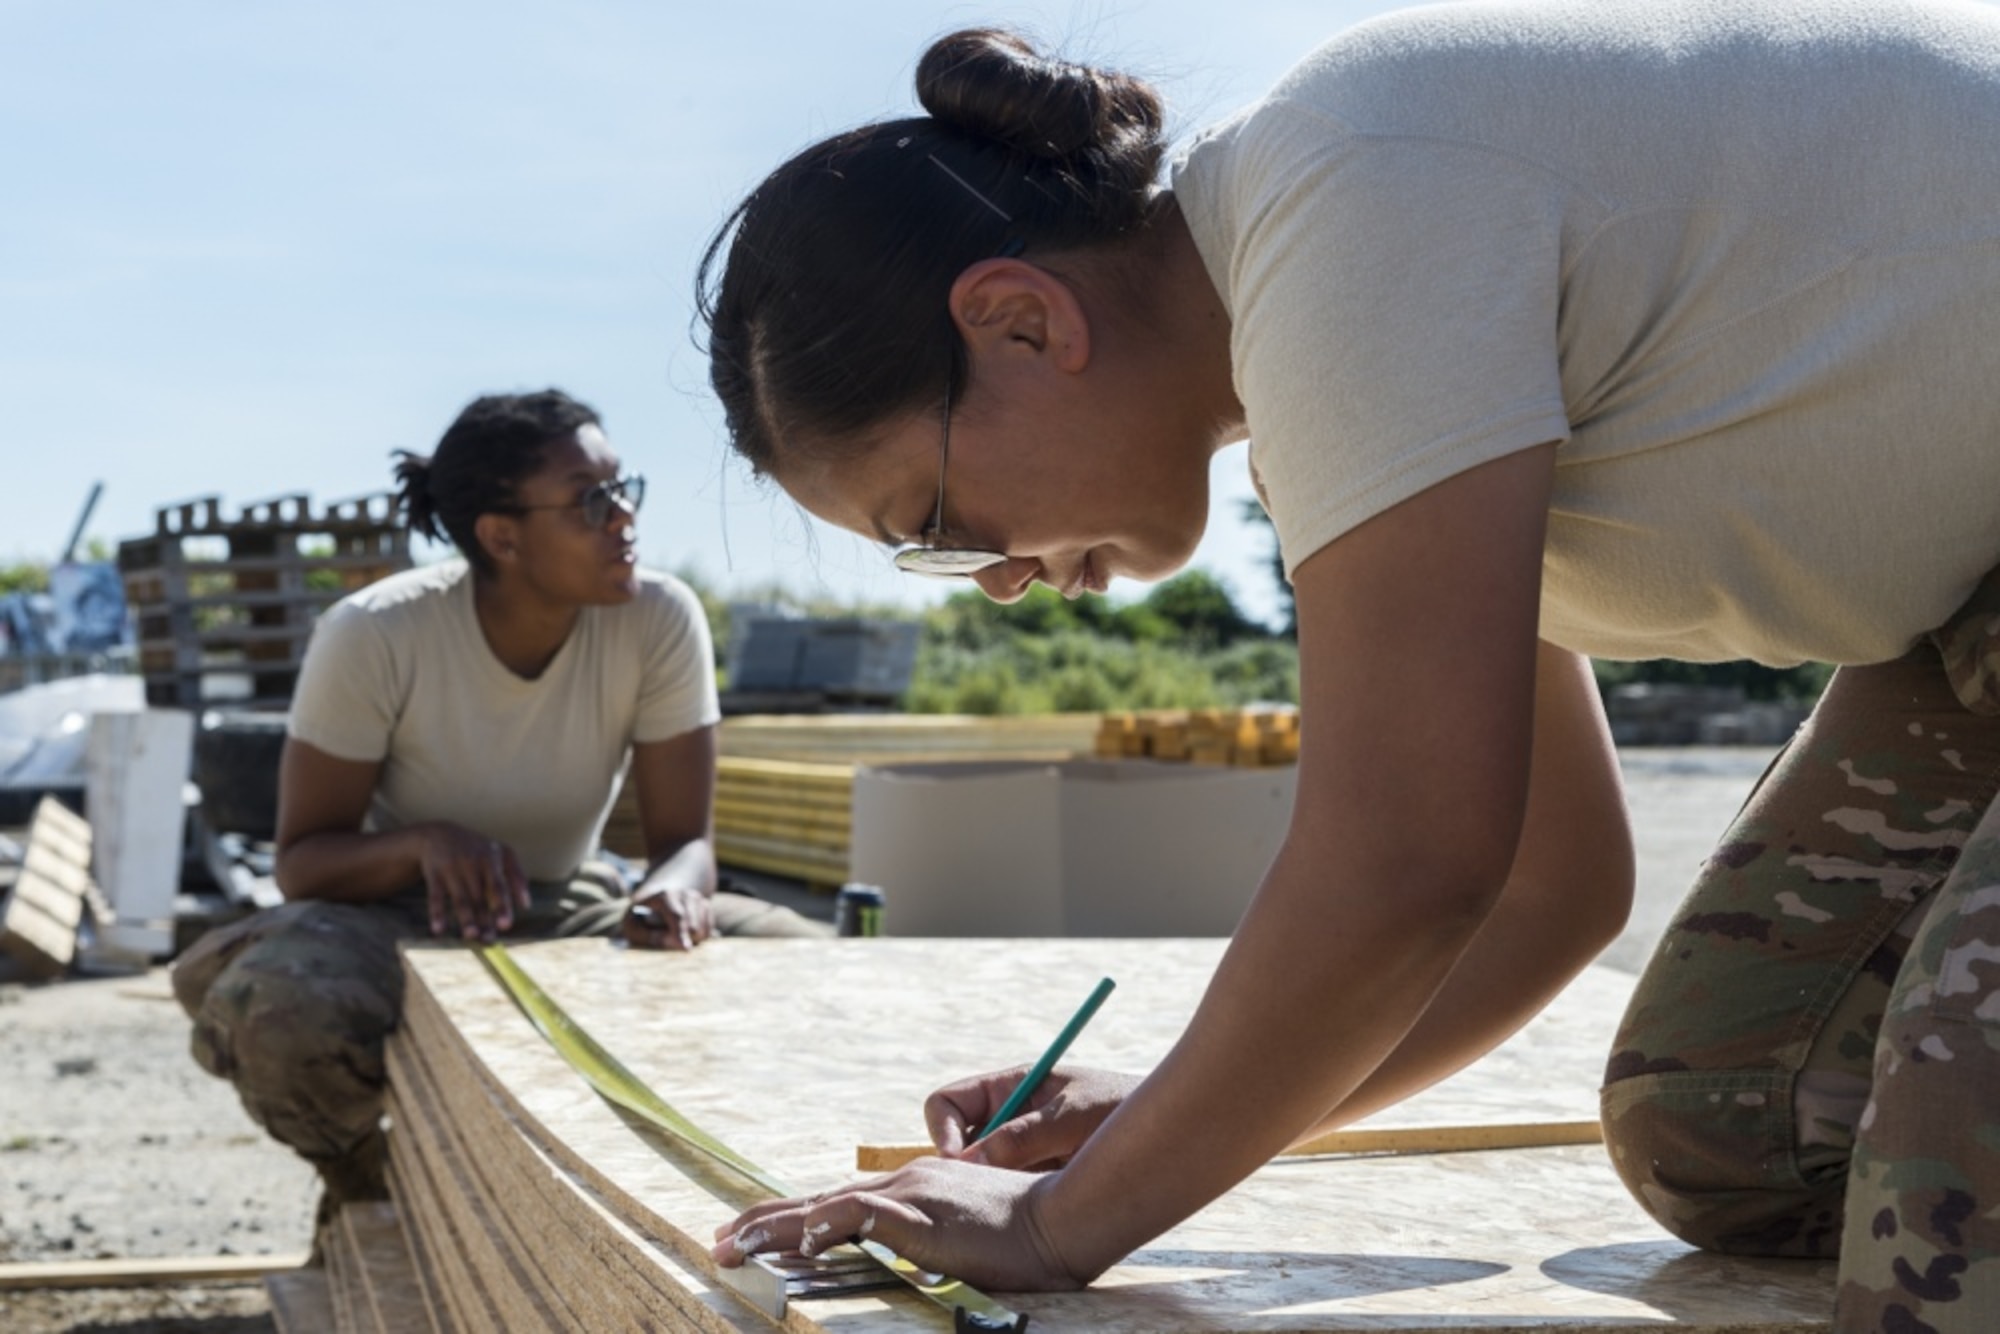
(770, 1281)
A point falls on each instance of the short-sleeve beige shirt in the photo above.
(1740, 258)
(400, 672)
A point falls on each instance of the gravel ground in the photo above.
(114, 1144)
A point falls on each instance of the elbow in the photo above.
(1583, 903)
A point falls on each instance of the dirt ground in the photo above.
(114, 1144)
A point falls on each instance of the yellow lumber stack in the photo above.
(785, 784)
(1246, 738)
(891, 738)
(787, 817)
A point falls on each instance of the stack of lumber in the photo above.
(367, 1283)
(785, 784)
(530, 1203)
(787, 817)
(510, 1225)
(1246, 738)
(784, 817)
(893, 738)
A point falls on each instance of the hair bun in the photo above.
(992, 84)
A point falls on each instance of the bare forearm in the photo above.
(1312, 995)
(691, 865)
(352, 867)
(1515, 965)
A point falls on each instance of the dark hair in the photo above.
(825, 292)
(495, 442)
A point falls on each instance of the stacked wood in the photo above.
(889, 738)
(531, 1203)
(216, 598)
(785, 784)
(41, 915)
(1246, 738)
(509, 1227)
(371, 1278)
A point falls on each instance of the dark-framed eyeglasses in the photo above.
(932, 557)
(624, 493)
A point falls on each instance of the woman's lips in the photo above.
(1089, 579)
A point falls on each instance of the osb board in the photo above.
(589, 1269)
(389, 1298)
(510, 1252)
(795, 1051)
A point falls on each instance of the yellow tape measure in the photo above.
(971, 1309)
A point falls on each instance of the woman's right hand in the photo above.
(1064, 1112)
(473, 882)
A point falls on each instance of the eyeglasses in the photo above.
(933, 558)
(626, 493)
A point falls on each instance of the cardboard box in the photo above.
(1082, 848)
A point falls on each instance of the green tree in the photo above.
(24, 577)
(1274, 560)
(1198, 606)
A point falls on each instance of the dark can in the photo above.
(857, 910)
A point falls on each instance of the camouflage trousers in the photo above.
(293, 1005)
(1811, 1063)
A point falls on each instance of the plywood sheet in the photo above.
(795, 1051)
(301, 1302)
(520, 1230)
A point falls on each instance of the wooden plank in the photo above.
(382, 1254)
(1539, 1239)
(1381, 1139)
(142, 1273)
(599, 1273)
(301, 1302)
(41, 913)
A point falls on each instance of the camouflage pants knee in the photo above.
(293, 1004)
(1811, 1064)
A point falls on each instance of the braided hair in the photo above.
(479, 463)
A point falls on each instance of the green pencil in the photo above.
(1033, 1079)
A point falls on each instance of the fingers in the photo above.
(810, 1226)
(649, 925)
(955, 1111)
(475, 884)
(670, 919)
(1025, 1143)
(517, 880)
(699, 914)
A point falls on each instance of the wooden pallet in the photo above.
(216, 597)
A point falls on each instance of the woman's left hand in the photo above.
(978, 1224)
(673, 917)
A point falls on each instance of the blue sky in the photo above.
(246, 249)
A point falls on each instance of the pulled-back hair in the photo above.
(498, 440)
(825, 292)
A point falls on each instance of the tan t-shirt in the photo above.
(400, 672)
(1741, 259)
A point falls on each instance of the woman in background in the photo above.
(456, 740)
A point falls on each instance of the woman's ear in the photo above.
(1011, 305)
(498, 536)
